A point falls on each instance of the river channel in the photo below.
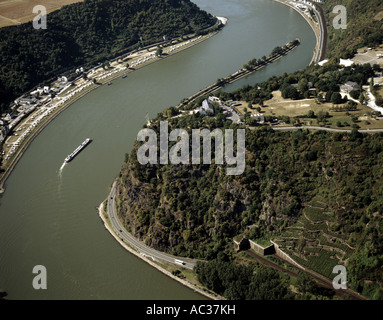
(48, 216)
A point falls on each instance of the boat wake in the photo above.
(60, 180)
(61, 168)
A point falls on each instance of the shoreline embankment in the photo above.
(319, 33)
(150, 262)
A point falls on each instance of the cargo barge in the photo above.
(71, 156)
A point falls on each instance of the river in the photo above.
(48, 216)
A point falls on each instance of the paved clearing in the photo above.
(365, 55)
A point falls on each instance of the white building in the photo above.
(214, 99)
(321, 63)
(346, 62)
(349, 86)
(206, 108)
(62, 79)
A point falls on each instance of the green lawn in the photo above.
(278, 107)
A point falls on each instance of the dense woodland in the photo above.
(239, 282)
(257, 282)
(364, 26)
(88, 32)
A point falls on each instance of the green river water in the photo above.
(48, 216)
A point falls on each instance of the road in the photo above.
(135, 243)
(319, 53)
(322, 34)
(323, 129)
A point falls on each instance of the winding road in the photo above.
(324, 129)
(135, 243)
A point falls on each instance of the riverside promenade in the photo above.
(318, 26)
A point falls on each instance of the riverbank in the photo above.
(138, 60)
(244, 72)
(159, 267)
(317, 28)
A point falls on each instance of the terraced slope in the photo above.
(313, 242)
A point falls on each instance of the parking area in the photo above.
(369, 55)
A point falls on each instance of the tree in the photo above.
(328, 95)
(289, 92)
(376, 67)
(303, 85)
(159, 51)
(276, 50)
(361, 98)
(310, 114)
(379, 100)
(355, 94)
(220, 82)
(321, 117)
(305, 283)
(355, 134)
(336, 98)
(372, 84)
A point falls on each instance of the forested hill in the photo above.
(364, 26)
(85, 32)
(197, 210)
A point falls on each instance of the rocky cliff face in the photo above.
(192, 210)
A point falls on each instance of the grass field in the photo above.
(14, 12)
(278, 107)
